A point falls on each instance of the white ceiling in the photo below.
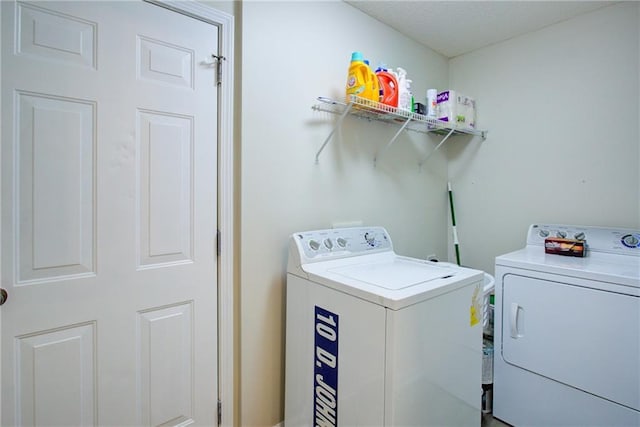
(452, 28)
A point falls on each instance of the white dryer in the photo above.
(376, 339)
(567, 331)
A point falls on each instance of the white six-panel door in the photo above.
(109, 128)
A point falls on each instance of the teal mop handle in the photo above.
(453, 223)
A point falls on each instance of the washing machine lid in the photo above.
(398, 273)
(391, 280)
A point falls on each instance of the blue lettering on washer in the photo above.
(325, 372)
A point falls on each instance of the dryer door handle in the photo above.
(515, 314)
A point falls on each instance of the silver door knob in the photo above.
(3, 296)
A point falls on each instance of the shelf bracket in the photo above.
(425, 158)
(378, 154)
(335, 127)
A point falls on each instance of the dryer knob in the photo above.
(630, 241)
(561, 234)
(543, 233)
(342, 242)
(314, 245)
(579, 236)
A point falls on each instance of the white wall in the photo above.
(561, 106)
(293, 52)
(226, 6)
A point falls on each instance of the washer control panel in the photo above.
(611, 240)
(341, 242)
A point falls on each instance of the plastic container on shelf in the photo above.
(404, 91)
(432, 102)
(388, 87)
(361, 80)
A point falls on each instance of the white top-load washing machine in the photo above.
(567, 331)
(376, 339)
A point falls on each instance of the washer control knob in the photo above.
(328, 243)
(561, 234)
(543, 233)
(579, 236)
(630, 241)
(342, 242)
(370, 238)
(314, 245)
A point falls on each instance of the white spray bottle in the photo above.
(404, 90)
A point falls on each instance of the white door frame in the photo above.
(225, 23)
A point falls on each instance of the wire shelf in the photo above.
(372, 110)
(408, 120)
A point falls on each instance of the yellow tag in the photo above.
(475, 311)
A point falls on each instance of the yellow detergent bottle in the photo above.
(362, 81)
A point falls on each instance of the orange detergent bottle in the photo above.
(362, 81)
(388, 87)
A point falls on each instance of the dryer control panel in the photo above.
(599, 239)
(341, 242)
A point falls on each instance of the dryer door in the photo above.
(582, 337)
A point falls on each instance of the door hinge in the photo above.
(218, 59)
(218, 242)
(219, 412)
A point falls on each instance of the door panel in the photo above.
(54, 127)
(52, 35)
(166, 376)
(58, 367)
(166, 188)
(582, 337)
(164, 63)
(109, 133)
